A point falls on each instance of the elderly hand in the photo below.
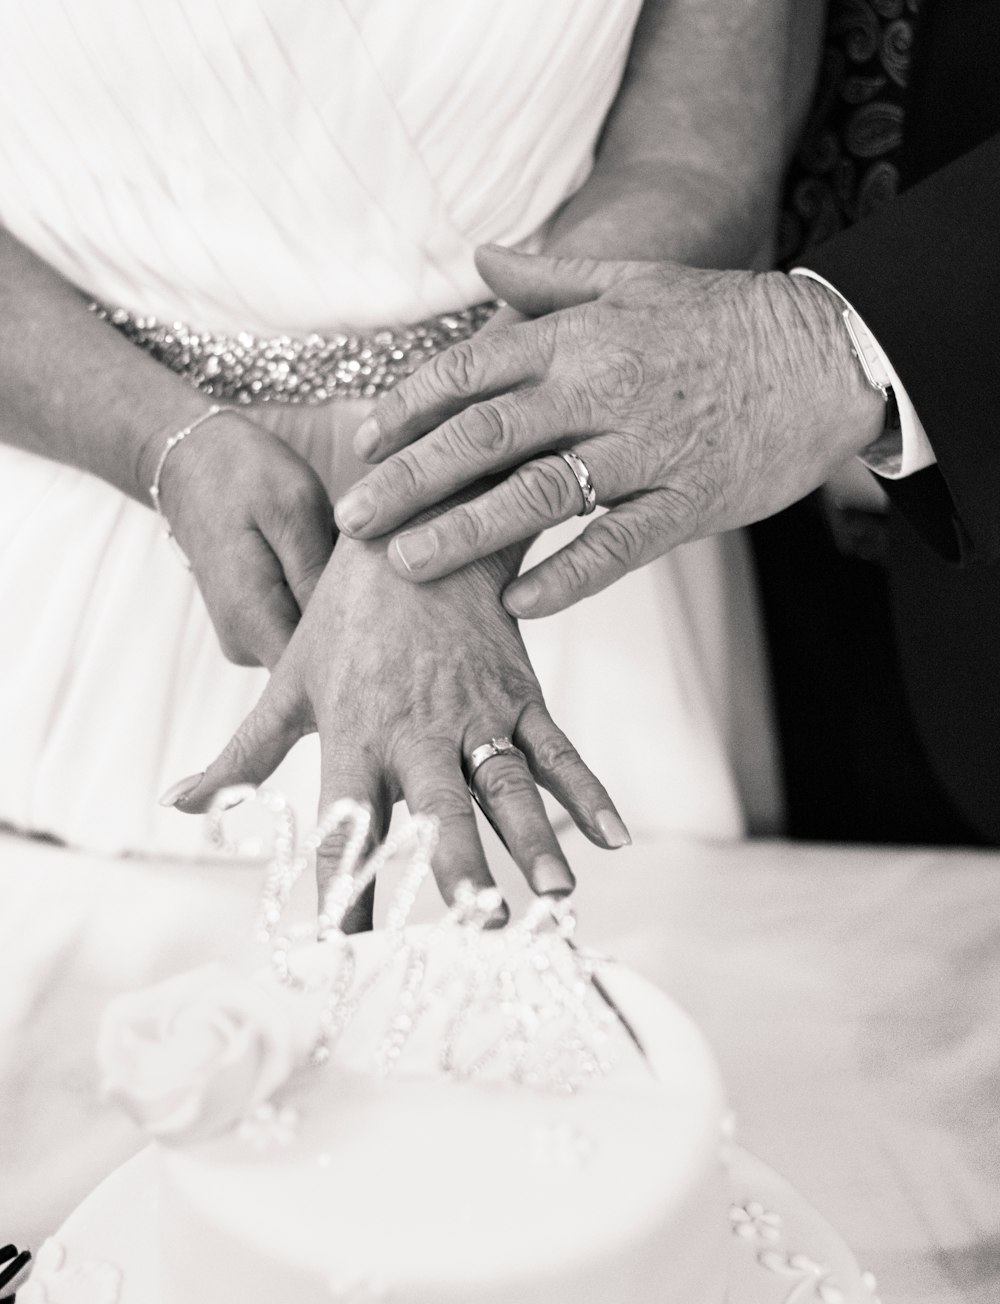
(403, 684)
(256, 524)
(699, 401)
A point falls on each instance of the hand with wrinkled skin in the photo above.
(699, 400)
(402, 683)
(256, 525)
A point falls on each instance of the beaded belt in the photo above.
(247, 368)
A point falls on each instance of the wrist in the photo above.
(170, 455)
(148, 446)
(853, 408)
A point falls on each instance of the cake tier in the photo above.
(418, 1189)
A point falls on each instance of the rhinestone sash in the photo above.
(248, 368)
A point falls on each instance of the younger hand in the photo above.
(256, 524)
(699, 401)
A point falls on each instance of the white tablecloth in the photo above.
(852, 997)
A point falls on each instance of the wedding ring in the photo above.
(486, 751)
(579, 468)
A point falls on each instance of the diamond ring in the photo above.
(486, 751)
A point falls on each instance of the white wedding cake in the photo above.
(434, 1115)
(453, 1184)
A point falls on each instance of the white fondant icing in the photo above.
(427, 1116)
(54, 1280)
(430, 1190)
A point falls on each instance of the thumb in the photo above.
(255, 750)
(536, 284)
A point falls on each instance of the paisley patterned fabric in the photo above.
(848, 162)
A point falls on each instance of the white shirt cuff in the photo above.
(890, 456)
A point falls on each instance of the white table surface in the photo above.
(852, 997)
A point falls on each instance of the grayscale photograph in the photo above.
(499, 652)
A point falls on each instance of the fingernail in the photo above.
(519, 599)
(183, 788)
(613, 831)
(498, 917)
(355, 510)
(366, 438)
(416, 548)
(550, 877)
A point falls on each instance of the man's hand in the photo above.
(699, 401)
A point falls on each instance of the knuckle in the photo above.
(468, 528)
(621, 377)
(400, 477)
(620, 542)
(542, 488)
(575, 566)
(682, 505)
(483, 428)
(296, 500)
(237, 752)
(555, 754)
(281, 712)
(500, 783)
(452, 370)
(447, 801)
(565, 402)
(395, 405)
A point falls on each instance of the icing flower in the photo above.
(192, 1056)
(53, 1282)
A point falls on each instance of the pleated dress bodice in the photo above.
(291, 166)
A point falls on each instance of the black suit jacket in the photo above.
(924, 273)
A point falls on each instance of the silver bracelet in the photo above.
(154, 489)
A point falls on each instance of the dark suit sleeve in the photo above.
(924, 273)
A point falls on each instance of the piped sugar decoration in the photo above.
(520, 1004)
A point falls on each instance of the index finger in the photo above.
(489, 363)
(485, 439)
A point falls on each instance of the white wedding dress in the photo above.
(296, 166)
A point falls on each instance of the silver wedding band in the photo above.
(579, 468)
(486, 751)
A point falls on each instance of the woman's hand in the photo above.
(255, 522)
(403, 683)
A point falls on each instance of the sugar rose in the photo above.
(192, 1056)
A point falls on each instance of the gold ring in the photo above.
(582, 476)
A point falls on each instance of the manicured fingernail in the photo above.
(355, 510)
(519, 599)
(416, 548)
(550, 877)
(366, 438)
(498, 917)
(613, 831)
(183, 788)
